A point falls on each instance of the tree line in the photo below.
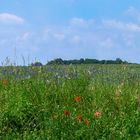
(60, 61)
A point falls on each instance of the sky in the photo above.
(42, 30)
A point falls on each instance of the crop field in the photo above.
(74, 102)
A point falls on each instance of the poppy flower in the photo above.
(86, 122)
(78, 118)
(77, 99)
(4, 82)
(66, 113)
(97, 114)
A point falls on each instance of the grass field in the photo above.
(75, 102)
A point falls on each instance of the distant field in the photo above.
(75, 102)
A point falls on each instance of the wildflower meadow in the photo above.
(73, 102)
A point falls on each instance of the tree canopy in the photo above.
(59, 61)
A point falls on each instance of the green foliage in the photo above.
(75, 102)
(59, 61)
(36, 64)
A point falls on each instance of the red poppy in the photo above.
(97, 114)
(77, 99)
(66, 113)
(78, 118)
(4, 82)
(86, 122)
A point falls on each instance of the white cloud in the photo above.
(121, 25)
(107, 43)
(76, 39)
(133, 12)
(129, 39)
(59, 36)
(80, 22)
(23, 37)
(8, 18)
(80, 38)
(133, 27)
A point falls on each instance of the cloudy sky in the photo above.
(71, 29)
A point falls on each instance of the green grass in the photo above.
(34, 100)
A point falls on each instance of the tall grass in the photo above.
(70, 102)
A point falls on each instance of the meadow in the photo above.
(74, 102)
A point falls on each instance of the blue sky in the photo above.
(71, 29)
